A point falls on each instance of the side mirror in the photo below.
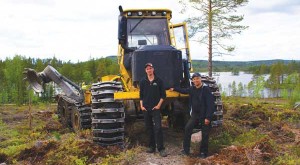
(189, 65)
(122, 31)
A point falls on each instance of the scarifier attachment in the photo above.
(37, 80)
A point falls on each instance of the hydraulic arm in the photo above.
(37, 80)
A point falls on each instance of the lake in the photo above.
(226, 78)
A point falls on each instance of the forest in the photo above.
(281, 79)
(254, 67)
(14, 90)
(284, 76)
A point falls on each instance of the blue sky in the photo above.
(78, 30)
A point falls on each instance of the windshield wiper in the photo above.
(136, 25)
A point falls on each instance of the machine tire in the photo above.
(67, 113)
(72, 114)
(75, 119)
(108, 115)
(61, 110)
(81, 117)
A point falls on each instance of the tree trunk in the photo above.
(30, 113)
(209, 39)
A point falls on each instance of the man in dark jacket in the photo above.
(202, 106)
(152, 95)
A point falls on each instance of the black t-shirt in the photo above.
(151, 92)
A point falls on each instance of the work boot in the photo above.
(162, 153)
(202, 155)
(150, 150)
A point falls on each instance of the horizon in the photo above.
(108, 56)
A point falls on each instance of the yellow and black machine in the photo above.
(144, 35)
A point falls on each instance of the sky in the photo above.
(77, 30)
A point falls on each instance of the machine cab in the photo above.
(147, 28)
(147, 35)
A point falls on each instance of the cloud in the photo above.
(272, 33)
(31, 2)
(78, 30)
(277, 6)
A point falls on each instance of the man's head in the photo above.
(196, 79)
(149, 69)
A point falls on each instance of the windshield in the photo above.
(147, 32)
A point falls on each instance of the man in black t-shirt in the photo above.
(152, 95)
(202, 104)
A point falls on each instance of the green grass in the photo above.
(127, 157)
(13, 142)
(286, 159)
(248, 138)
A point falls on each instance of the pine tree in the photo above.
(240, 90)
(214, 22)
(233, 89)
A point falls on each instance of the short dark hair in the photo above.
(196, 75)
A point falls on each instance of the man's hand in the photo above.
(157, 107)
(206, 122)
(171, 89)
(143, 108)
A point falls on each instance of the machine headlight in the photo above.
(153, 13)
(164, 13)
(129, 13)
(140, 13)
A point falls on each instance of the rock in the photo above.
(38, 144)
(196, 137)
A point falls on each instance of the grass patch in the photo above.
(13, 150)
(296, 150)
(286, 159)
(249, 138)
(220, 141)
(71, 149)
(224, 136)
(127, 157)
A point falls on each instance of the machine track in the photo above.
(108, 115)
(217, 119)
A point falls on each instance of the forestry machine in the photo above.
(144, 35)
